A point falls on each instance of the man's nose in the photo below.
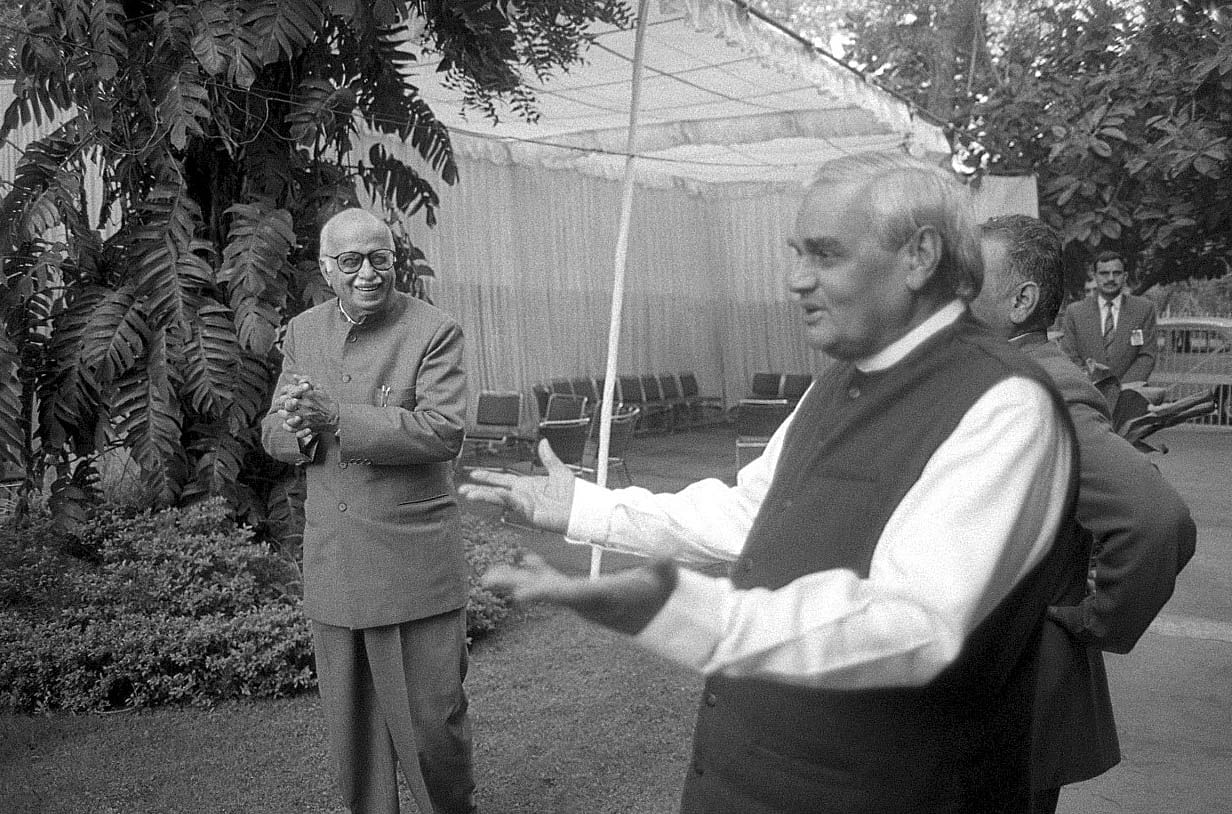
(801, 279)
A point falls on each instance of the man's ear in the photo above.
(324, 267)
(1023, 302)
(923, 255)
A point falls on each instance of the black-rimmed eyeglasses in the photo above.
(352, 262)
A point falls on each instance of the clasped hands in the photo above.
(306, 409)
(624, 601)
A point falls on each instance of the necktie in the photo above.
(1108, 323)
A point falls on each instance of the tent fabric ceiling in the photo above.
(726, 99)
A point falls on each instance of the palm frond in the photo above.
(260, 241)
(149, 420)
(209, 358)
(160, 253)
(115, 337)
(285, 26)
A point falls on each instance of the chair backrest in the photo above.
(650, 389)
(542, 394)
(624, 422)
(568, 438)
(669, 387)
(795, 384)
(767, 385)
(561, 386)
(498, 409)
(565, 407)
(688, 385)
(585, 386)
(630, 390)
(759, 418)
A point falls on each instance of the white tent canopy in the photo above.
(736, 116)
(727, 98)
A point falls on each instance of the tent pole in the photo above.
(618, 279)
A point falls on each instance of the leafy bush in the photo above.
(179, 606)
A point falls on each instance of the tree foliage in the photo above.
(225, 132)
(1126, 120)
(1121, 108)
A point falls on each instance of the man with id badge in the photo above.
(1114, 329)
(371, 402)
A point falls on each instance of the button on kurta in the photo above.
(346, 377)
(853, 392)
(711, 699)
(342, 464)
(342, 507)
(353, 338)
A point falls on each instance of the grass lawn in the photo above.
(567, 717)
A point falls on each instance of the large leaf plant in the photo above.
(224, 131)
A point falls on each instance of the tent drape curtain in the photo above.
(522, 256)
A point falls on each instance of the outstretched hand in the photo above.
(625, 601)
(544, 502)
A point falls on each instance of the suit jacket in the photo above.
(382, 540)
(1141, 535)
(1084, 339)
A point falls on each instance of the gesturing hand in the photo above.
(625, 601)
(544, 502)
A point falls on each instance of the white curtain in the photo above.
(524, 256)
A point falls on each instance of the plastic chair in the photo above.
(565, 407)
(756, 421)
(699, 404)
(766, 386)
(498, 418)
(624, 424)
(568, 439)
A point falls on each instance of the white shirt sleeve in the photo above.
(984, 512)
(704, 523)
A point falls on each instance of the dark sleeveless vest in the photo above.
(959, 744)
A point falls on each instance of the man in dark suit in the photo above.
(1114, 329)
(893, 550)
(1137, 526)
(370, 402)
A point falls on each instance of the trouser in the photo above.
(1045, 801)
(393, 695)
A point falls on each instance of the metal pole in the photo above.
(618, 279)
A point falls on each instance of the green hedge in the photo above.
(179, 606)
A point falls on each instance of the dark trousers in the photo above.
(394, 695)
(1045, 801)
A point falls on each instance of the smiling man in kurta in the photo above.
(371, 402)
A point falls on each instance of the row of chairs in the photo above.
(566, 422)
(667, 401)
(790, 386)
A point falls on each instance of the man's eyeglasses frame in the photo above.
(371, 257)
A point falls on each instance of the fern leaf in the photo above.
(160, 251)
(69, 398)
(12, 441)
(260, 241)
(220, 457)
(107, 37)
(211, 40)
(209, 357)
(183, 106)
(285, 26)
(399, 185)
(253, 385)
(115, 336)
(149, 421)
(320, 108)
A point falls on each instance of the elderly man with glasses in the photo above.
(370, 402)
